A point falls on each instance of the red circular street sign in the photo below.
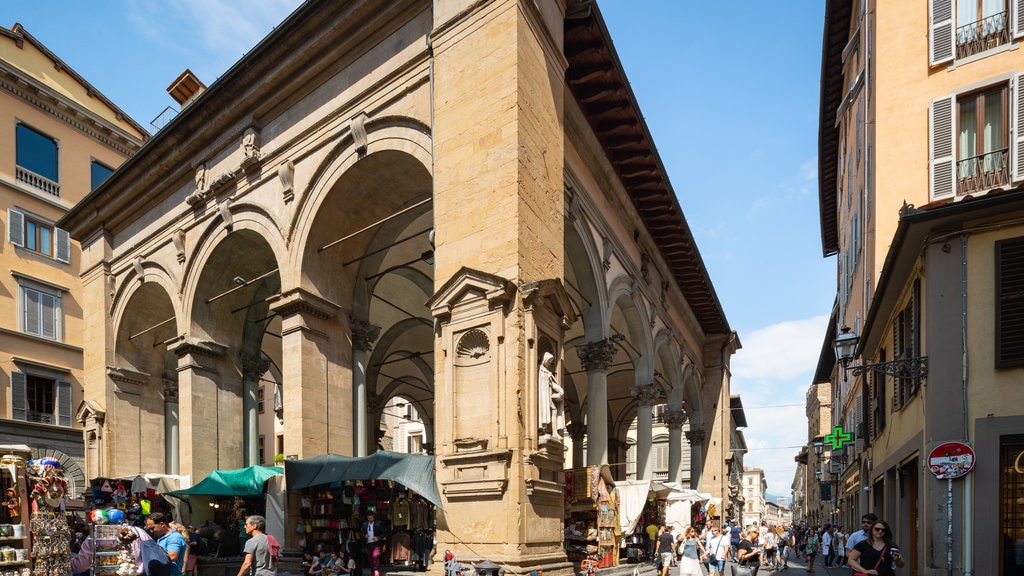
(951, 460)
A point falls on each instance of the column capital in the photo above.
(675, 419)
(186, 345)
(576, 430)
(254, 366)
(299, 301)
(645, 394)
(170, 388)
(364, 334)
(695, 436)
(597, 355)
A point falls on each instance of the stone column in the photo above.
(696, 439)
(576, 431)
(254, 366)
(646, 395)
(208, 429)
(314, 380)
(675, 419)
(172, 463)
(364, 335)
(596, 357)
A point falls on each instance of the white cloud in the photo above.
(780, 352)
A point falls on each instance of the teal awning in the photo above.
(414, 471)
(241, 482)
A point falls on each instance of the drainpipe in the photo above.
(968, 538)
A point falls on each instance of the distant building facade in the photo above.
(59, 139)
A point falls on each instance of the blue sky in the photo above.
(729, 92)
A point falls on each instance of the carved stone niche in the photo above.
(479, 475)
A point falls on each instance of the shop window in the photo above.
(29, 232)
(1011, 506)
(1009, 321)
(40, 398)
(36, 160)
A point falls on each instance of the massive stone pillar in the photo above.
(576, 431)
(203, 434)
(675, 419)
(315, 386)
(596, 357)
(364, 335)
(715, 469)
(646, 395)
(498, 302)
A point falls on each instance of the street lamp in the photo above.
(909, 367)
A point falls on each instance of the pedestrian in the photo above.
(372, 532)
(840, 540)
(258, 560)
(827, 549)
(749, 553)
(665, 549)
(735, 536)
(718, 550)
(811, 547)
(866, 522)
(878, 551)
(196, 548)
(691, 554)
(159, 525)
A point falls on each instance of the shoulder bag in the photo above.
(877, 564)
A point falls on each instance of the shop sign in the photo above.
(951, 460)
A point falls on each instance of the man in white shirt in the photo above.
(717, 547)
(866, 522)
(826, 546)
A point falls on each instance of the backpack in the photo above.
(155, 560)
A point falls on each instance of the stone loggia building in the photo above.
(418, 199)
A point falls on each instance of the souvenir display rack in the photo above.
(15, 535)
(105, 549)
(592, 517)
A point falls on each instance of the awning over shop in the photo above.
(241, 482)
(414, 471)
(633, 494)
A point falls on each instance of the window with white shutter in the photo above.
(41, 312)
(941, 34)
(1017, 106)
(36, 235)
(940, 147)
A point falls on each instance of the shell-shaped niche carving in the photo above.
(473, 344)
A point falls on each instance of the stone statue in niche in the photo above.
(250, 147)
(550, 401)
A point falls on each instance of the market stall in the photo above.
(137, 495)
(643, 504)
(686, 507)
(337, 495)
(591, 516)
(15, 533)
(224, 498)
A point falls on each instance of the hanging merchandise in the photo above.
(51, 535)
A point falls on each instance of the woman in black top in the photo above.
(877, 554)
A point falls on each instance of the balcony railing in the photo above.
(36, 181)
(982, 172)
(40, 417)
(982, 35)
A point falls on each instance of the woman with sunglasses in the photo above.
(877, 554)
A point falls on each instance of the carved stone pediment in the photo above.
(127, 381)
(552, 293)
(469, 284)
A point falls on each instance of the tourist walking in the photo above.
(665, 549)
(811, 548)
(718, 549)
(878, 554)
(258, 560)
(866, 522)
(691, 553)
(749, 552)
(840, 540)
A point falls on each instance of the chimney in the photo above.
(185, 88)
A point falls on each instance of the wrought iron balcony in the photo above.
(982, 35)
(982, 172)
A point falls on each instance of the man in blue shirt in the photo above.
(159, 525)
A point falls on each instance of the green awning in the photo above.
(414, 471)
(241, 482)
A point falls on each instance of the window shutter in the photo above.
(1017, 140)
(940, 146)
(32, 311)
(1010, 303)
(15, 227)
(63, 245)
(859, 417)
(48, 315)
(941, 39)
(63, 408)
(19, 399)
(1018, 19)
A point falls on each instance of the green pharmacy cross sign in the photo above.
(837, 438)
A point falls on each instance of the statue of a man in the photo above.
(550, 399)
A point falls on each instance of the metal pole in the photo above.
(949, 526)
(375, 224)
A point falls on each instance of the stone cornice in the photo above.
(186, 345)
(300, 301)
